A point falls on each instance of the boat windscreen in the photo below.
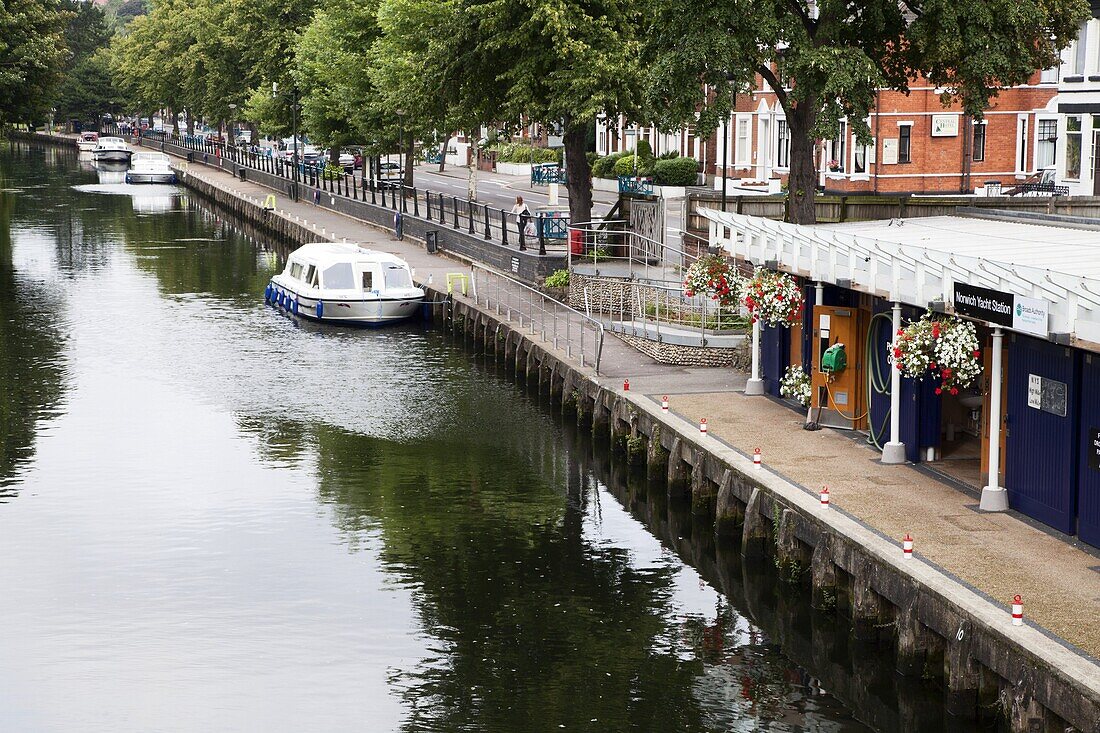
(338, 277)
(397, 277)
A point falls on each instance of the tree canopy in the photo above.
(32, 54)
(833, 55)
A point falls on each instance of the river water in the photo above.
(215, 519)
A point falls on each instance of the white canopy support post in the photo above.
(755, 385)
(994, 496)
(894, 451)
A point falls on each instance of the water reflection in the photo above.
(240, 522)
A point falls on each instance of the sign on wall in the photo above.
(945, 125)
(889, 150)
(1094, 448)
(1048, 395)
(1018, 312)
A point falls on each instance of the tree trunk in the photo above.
(578, 172)
(175, 122)
(408, 162)
(443, 154)
(334, 156)
(802, 182)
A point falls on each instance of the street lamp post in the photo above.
(401, 157)
(232, 129)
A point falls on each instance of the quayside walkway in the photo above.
(997, 555)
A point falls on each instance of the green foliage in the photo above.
(605, 167)
(624, 166)
(557, 279)
(87, 90)
(524, 153)
(678, 171)
(833, 64)
(643, 149)
(32, 53)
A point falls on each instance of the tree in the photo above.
(835, 54)
(32, 51)
(86, 91)
(553, 61)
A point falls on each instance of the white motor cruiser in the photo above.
(88, 142)
(150, 168)
(345, 283)
(112, 149)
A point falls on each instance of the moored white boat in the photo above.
(88, 142)
(345, 283)
(150, 168)
(112, 149)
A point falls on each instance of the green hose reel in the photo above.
(834, 360)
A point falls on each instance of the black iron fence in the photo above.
(528, 231)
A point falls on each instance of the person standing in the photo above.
(522, 213)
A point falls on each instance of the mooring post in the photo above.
(656, 456)
(823, 575)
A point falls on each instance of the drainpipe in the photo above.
(994, 496)
(755, 385)
(894, 451)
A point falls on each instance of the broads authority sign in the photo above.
(1020, 313)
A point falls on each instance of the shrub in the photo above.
(605, 167)
(592, 157)
(624, 166)
(524, 153)
(643, 149)
(557, 279)
(680, 171)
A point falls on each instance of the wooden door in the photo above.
(845, 394)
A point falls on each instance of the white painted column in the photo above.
(894, 450)
(994, 496)
(755, 385)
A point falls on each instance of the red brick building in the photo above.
(918, 145)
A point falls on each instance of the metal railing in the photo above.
(609, 249)
(636, 185)
(652, 311)
(543, 174)
(556, 323)
(542, 231)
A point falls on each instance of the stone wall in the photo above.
(665, 353)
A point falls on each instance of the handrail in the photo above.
(641, 252)
(531, 301)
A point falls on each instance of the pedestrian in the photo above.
(522, 213)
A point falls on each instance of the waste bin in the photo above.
(431, 241)
(240, 172)
(576, 242)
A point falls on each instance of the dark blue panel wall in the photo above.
(1041, 448)
(775, 356)
(1088, 481)
(810, 294)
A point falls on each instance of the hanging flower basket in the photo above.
(795, 385)
(714, 276)
(773, 298)
(942, 347)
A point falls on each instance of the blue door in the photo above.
(775, 356)
(1042, 446)
(1088, 481)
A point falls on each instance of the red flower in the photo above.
(938, 390)
(901, 331)
(931, 365)
(954, 390)
(977, 354)
(897, 353)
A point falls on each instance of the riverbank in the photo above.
(942, 627)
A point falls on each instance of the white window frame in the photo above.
(909, 124)
(975, 124)
(782, 120)
(1038, 142)
(742, 154)
(1023, 155)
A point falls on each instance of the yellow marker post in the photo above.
(269, 202)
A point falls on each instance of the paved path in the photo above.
(998, 555)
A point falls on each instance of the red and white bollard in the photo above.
(756, 457)
(824, 497)
(703, 426)
(626, 385)
(907, 547)
(1017, 611)
(664, 404)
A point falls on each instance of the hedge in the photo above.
(524, 153)
(676, 172)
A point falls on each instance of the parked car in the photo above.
(390, 173)
(347, 162)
